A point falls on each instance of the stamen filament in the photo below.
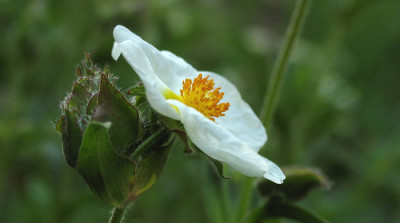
(201, 95)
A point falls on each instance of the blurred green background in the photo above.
(339, 110)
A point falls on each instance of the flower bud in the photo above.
(118, 150)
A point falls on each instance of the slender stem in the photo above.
(226, 201)
(275, 82)
(148, 142)
(244, 199)
(117, 215)
(273, 91)
(212, 202)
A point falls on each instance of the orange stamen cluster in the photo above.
(201, 95)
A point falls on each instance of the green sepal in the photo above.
(71, 134)
(78, 99)
(78, 72)
(298, 183)
(151, 168)
(156, 135)
(219, 166)
(92, 105)
(109, 176)
(88, 65)
(136, 90)
(147, 115)
(152, 150)
(113, 106)
(177, 127)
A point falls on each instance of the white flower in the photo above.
(217, 120)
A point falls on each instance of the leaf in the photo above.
(279, 209)
(110, 177)
(112, 106)
(71, 134)
(298, 183)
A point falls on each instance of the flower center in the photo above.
(201, 95)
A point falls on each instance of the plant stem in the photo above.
(273, 91)
(226, 200)
(149, 142)
(117, 215)
(244, 199)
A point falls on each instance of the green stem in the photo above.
(117, 215)
(244, 199)
(226, 201)
(275, 82)
(273, 91)
(148, 142)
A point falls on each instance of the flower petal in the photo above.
(135, 56)
(221, 144)
(239, 116)
(235, 138)
(168, 67)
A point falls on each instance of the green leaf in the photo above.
(150, 169)
(113, 106)
(298, 183)
(280, 209)
(110, 176)
(71, 134)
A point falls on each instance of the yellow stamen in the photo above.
(201, 95)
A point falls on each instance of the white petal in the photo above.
(220, 144)
(168, 67)
(116, 51)
(153, 85)
(235, 139)
(240, 115)
(139, 56)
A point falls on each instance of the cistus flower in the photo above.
(210, 108)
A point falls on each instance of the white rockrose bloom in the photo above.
(210, 108)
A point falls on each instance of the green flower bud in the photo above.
(119, 150)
